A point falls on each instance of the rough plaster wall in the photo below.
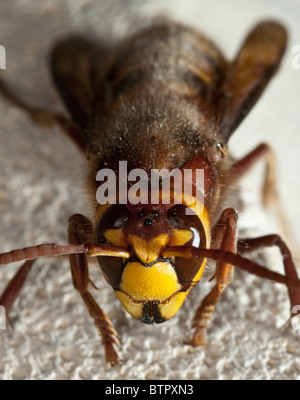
(53, 336)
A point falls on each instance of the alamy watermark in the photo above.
(158, 187)
(2, 318)
(295, 321)
(296, 58)
(2, 57)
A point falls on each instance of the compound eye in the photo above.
(176, 217)
(188, 231)
(120, 221)
(114, 218)
(112, 221)
(182, 222)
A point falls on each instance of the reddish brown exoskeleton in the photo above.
(165, 98)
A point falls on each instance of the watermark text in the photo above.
(2, 57)
(178, 186)
(295, 321)
(2, 318)
(296, 58)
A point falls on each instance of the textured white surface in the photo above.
(40, 186)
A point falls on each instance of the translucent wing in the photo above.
(248, 75)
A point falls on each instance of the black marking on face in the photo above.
(151, 313)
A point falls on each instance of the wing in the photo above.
(249, 74)
(77, 65)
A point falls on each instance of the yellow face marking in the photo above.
(133, 308)
(167, 309)
(194, 204)
(157, 282)
(170, 308)
(148, 251)
(180, 237)
(200, 272)
(200, 210)
(116, 237)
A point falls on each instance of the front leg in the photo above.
(80, 276)
(225, 235)
(14, 287)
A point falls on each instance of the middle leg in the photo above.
(225, 237)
